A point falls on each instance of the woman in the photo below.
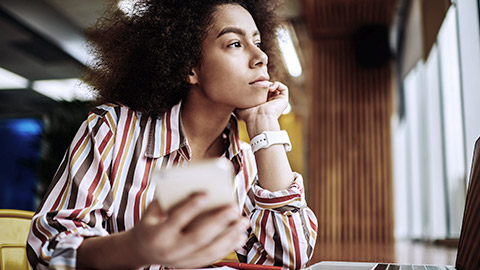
(173, 78)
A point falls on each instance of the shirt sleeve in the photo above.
(76, 203)
(283, 229)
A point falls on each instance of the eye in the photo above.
(258, 44)
(235, 45)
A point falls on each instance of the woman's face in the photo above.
(233, 71)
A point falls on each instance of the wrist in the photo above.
(260, 124)
(132, 241)
(115, 251)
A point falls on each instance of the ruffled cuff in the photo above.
(64, 255)
(281, 200)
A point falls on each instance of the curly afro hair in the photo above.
(143, 59)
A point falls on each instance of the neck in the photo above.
(203, 124)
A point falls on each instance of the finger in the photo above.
(278, 89)
(274, 86)
(203, 230)
(278, 95)
(282, 88)
(184, 212)
(153, 213)
(234, 237)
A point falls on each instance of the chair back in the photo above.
(14, 228)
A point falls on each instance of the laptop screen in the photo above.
(469, 242)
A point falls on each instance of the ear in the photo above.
(193, 76)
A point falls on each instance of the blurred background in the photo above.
(384, 97)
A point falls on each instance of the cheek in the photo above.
(226, 66)
(222, 74)
(219, 77)
(213, 71)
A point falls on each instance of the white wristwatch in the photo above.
(268, 138)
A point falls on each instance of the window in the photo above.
(430, 141)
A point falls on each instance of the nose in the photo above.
(259, 58)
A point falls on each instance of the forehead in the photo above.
(229, 15)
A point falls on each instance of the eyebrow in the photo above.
(235, 30)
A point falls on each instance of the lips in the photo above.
(261, 81)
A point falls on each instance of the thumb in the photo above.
(154, 212)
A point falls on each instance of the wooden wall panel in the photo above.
(350, 183)
(349, 145)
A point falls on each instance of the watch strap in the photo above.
(269, 138)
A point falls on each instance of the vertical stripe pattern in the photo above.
(350, 167)
(103, 185)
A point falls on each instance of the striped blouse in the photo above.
(103, 185)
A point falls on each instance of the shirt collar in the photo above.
(166, 135)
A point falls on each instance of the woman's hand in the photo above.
(185, 239)
(276, 103)
(265, 116)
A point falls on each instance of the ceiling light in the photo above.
(68, 89)
(10, 80)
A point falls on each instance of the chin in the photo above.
(251, 104)
(252, 101)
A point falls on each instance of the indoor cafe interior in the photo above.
(381, 116)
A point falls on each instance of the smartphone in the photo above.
(213, 177)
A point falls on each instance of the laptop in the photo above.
(468, 254)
